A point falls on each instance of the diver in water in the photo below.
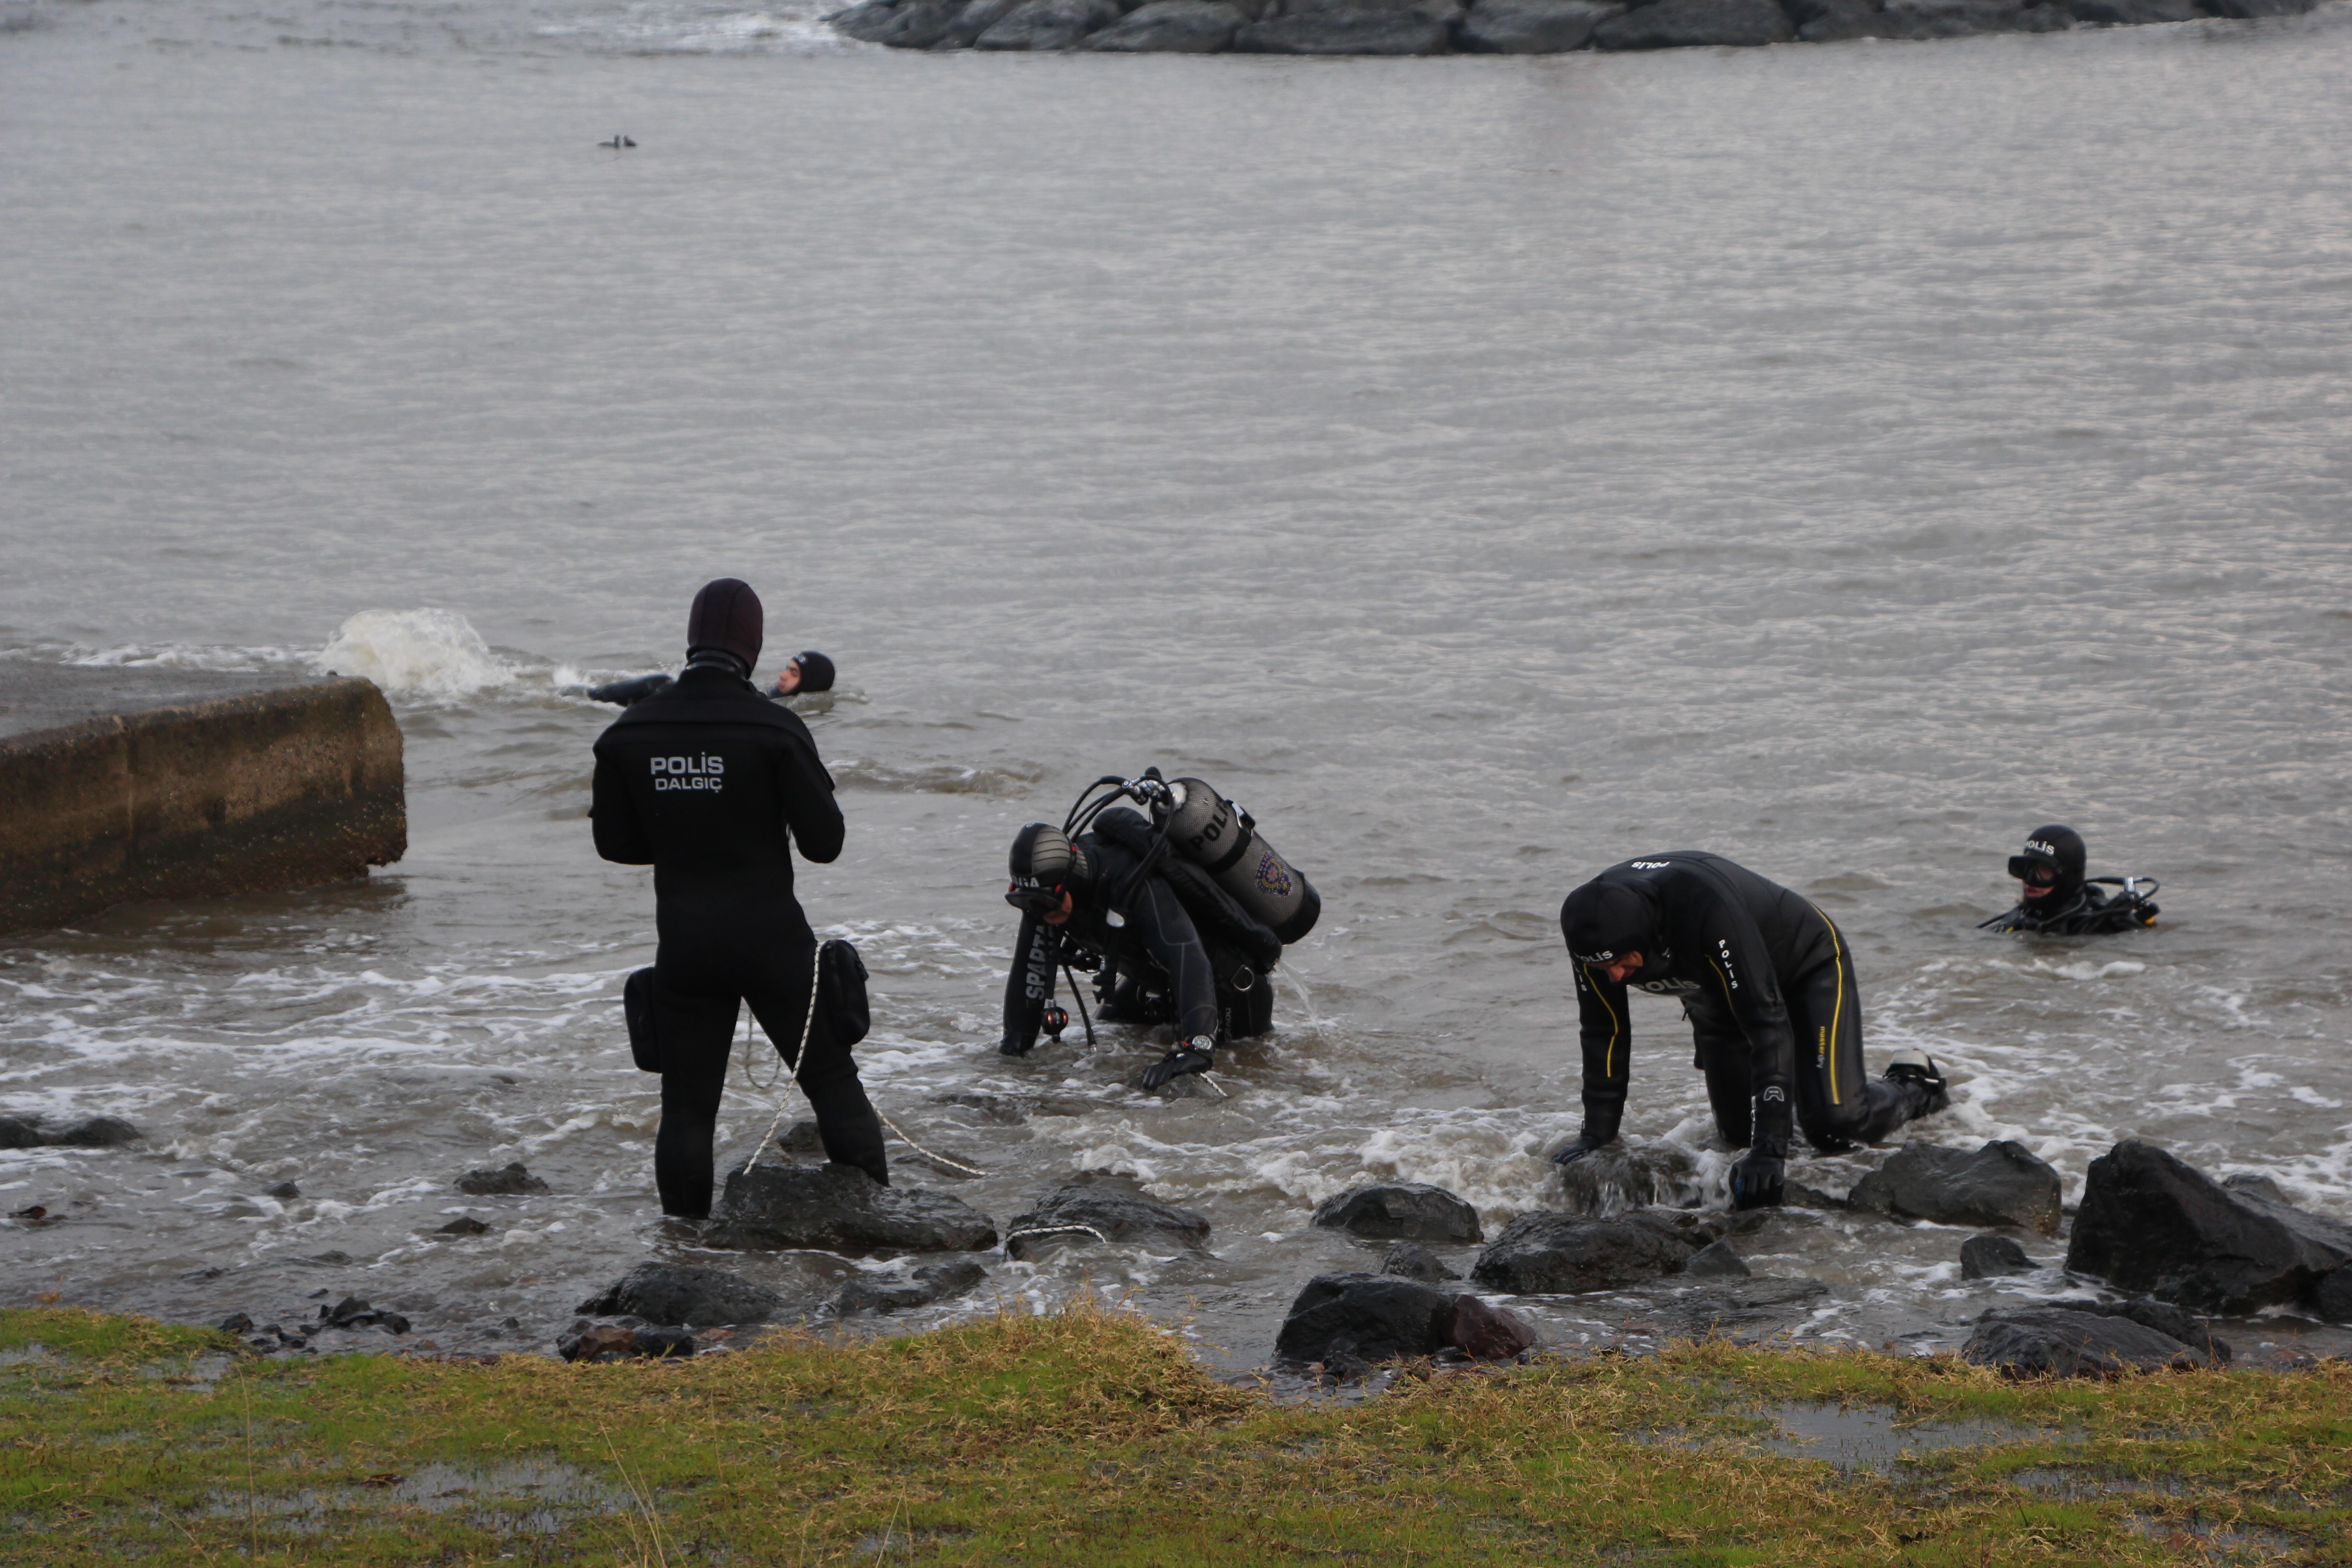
(1768, 987)
(1150, 907)
(712, 784)
(805, 673)
(2060, 900)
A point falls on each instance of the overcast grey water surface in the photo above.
(1844, 458)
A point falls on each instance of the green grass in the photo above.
(1090, 1436)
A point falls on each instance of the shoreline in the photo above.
(1092, 1434)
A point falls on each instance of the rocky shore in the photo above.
(1485, 27)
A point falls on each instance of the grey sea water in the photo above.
(1843, 458)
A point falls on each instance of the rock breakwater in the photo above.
(1485, 27)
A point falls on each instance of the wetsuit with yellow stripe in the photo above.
(1768, 987)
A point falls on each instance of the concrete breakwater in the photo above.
(1487, 27)
(138, 783)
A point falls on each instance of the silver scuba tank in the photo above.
(1220, 838)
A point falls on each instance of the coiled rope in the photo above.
(800, 1060)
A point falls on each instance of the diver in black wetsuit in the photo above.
(2060, 900)
(711, 783)
(1768, 988)
(807, 672)
(1169, 943)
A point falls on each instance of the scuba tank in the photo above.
(1220, 838)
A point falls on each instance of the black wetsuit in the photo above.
(711, 783)
(2084, 911)
(1768, 988)
(1158, 962)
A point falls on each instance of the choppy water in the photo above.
(1844, 458)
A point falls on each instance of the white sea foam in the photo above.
(416, 653)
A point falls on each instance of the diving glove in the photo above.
(1195, 1054)
(1756, 1181)
(1917, 1070)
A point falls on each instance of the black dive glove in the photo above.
(1756, 1181)
(1195, 1054)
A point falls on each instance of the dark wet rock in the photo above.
(353, 1312)
(864, 22)
(1170, 28)
(1750, 1309)
(511, 1181)
(463, 1224)
(2166, 1319)
(801, 1140)
(1408, 1261)
(1988, 1256)
(1946, 18)
(596, 1343)
(334, 1258)
(839, 1208)
(2047, 18)
(97, 1132)
(1625, 1175)
(2333, 1299)
(236, 1324)
(1716, 1260)
(1372, 1317)
(1797, 1194)
(684, 1293)
(1354, 28)
(2135, 13)
(15, 1133)
(1013, 1110)
(919, 23)
(1534, 26)
(1551, 1254)
(1047, 24)
(2054, 1343)
(1488, 1334)
(1411, 1211)
(36, 1217)
(2152, 1225)
(2242, 10)
(1675, 24)
(2002, 1183)
(1113, 1206)
(1837, 20)
(920, 1287)
(284, 1192)
(977, 17)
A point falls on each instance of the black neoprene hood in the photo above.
(1602, 921)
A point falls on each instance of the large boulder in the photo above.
(1372, 1317)
(684, 1293)
(2133, 13)
(2242, 9)
(1406, 1211)
(2002, 1183)
(1488, 1334)
(1534, 26)
(1170, 28)
(2163, 1317)
(1947, 18)
(1672, 24)
(1049, 24)
(1837, 20)
(977, 17)
(1410, 1261)
(15, 1133)
(2333, 1299)
(902, 24)
(1354, 28)
(840, 1208)
(1550, 1254)
(2152, 1225)
(2055, 1343)
(1624, 1174)
(1096, 1205)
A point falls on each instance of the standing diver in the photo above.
(2059, 900)
(711, 783)
(1182, 917)
(1767, 985)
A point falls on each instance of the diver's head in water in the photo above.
(809, 671)
(1048, 873)
(725, 626)
(2052, 865)
(1609, 927)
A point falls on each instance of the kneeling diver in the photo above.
(1182, 917)
(1767, 985)
(2059, 900)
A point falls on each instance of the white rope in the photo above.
(800, 1060)
(1055, 1230)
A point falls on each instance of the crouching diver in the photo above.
(1181, 917)
(2060, 900)
(1767, 985)
(711, 783)
(807, 671)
